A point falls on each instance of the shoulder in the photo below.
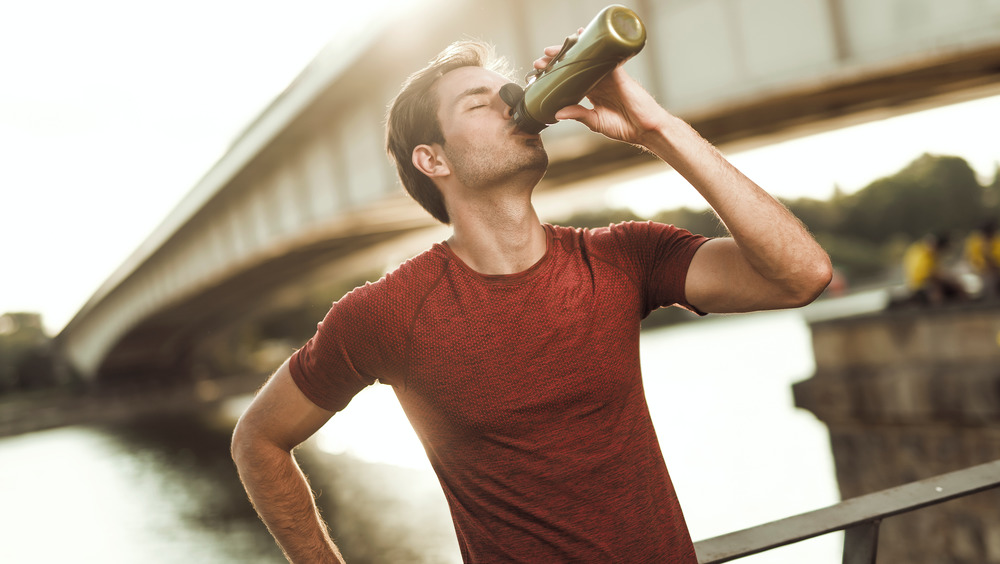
(403, 285)
(419, 271)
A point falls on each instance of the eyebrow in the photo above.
(473, 92)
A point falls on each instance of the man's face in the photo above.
(481, 143)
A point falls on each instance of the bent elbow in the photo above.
(813, 282)
(242, 442)
(822, 275)
(251, 444)
(237, 443)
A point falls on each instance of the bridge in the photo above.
(305, 198)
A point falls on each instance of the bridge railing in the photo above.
(858, 517)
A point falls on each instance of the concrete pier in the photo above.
(908, 395)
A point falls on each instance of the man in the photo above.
(513, 346)
(928, 281)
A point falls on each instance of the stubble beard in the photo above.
(475, 169)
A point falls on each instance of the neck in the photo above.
(497, 237)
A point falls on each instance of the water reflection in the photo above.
(163, 490)
(87, 495)
(155, 491)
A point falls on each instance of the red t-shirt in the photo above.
(525, 390)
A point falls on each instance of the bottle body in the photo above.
(614, 35)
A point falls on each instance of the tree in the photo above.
(866, 232)
(817, 215)
(933, 194)
(600, 218)
(991, 200)
(22, 339)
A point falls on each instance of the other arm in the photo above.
(278, 420)
(770, 262)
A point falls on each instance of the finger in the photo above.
(574, 112)
(583, 115)
(552, 50)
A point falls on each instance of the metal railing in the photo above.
(858, 517)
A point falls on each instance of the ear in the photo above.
(430, 160)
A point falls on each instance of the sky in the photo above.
(849, 158)
(112, 110)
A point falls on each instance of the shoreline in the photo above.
(39, 411)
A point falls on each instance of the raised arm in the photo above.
(770, 262)
(278, 420)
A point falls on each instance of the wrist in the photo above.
(664, 137)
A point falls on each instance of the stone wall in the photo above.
(908, 395)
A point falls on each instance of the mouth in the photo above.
(518, 132)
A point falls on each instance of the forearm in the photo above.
(772, 240)
(280, 493)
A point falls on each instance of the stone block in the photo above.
(906, 396)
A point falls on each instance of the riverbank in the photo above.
(39, 410)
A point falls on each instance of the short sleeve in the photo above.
(658, 256)
(350, 350)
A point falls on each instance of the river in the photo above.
(163, 489)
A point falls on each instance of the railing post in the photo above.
(861, 542)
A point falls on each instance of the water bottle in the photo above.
(615, 35)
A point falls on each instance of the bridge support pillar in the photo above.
(908, 395)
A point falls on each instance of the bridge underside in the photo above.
(167, 342)
(176, 343)
(929, 84)
(303, 196)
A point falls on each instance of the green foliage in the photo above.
(25, 353)
(818, 215)
(857, 259)
(931, 195)
(866, 232)
(992, 198)
(702, 222)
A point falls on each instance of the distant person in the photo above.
(927, 281)
(513, 347)
(982, 253)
